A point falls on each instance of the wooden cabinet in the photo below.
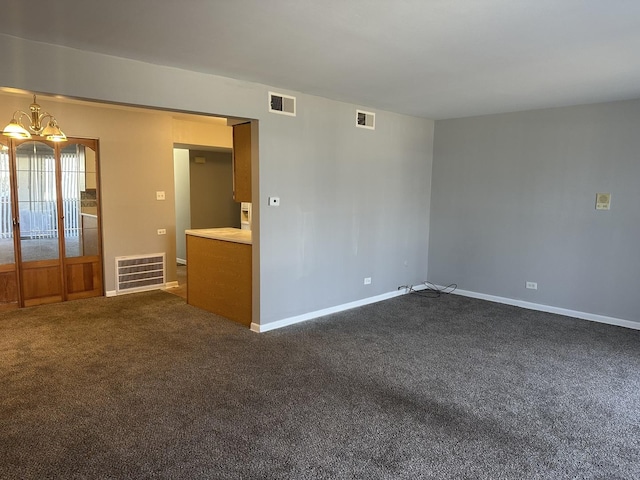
(219, 277)
(242, 162)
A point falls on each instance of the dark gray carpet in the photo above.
(145, 386)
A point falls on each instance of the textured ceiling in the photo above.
(429, 58)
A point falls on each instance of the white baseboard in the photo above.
(546, 308)
(491, 298)
(114, 293)
(465, 293)
(255, 327)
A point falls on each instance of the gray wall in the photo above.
(354, 202)
(211, 195)
(513, 200)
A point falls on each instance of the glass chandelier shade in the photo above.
(40, 123)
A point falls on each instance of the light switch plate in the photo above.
(603, 201)
(274, 201)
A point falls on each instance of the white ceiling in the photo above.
(430, 58)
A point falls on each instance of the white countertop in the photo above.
(226, 234)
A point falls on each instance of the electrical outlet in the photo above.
(162, 231)
(532, 285)
(274, 201)
(159, 195)
(367, 280)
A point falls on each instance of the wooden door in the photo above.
(82, 259)
(9, 293)
(57, 211)
(39, 246)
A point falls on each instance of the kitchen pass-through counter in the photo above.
(219, 272)
(226, 234)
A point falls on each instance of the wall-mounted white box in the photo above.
(603, 201)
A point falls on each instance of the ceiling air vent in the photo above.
(365, 119)
(283, 104)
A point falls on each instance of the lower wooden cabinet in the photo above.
(219, 277)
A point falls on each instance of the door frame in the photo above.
(63, 263)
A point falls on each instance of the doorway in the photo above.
(50, 231)
(203, 181)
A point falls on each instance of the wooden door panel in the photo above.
(82, 259)
(41, 283)
(8, 285)
(9, 291)
(84, 278)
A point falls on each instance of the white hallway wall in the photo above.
(354, 202)
(183, 200)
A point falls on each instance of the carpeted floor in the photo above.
(145, 386)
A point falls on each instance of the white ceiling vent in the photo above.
(365, 119)
(282, 104)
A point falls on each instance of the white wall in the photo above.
(355, 203)
(513, 200)
(183, 199)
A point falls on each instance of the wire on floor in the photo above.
(430, 290)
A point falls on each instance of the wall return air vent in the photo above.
(282, 104)
(365, 119)
(140, 273)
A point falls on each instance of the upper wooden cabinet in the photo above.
(242, 162)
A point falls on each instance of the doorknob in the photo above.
(16, 223)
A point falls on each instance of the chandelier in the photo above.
(37, 124)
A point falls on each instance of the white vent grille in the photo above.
(140, 273)
(365, 119)
(282, 104)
